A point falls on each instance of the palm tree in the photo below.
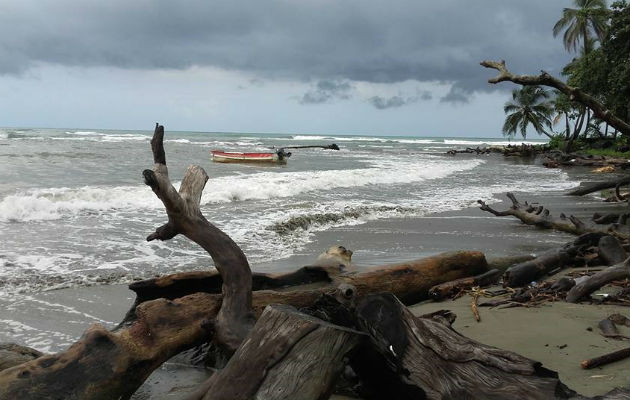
(528, 106)
(578, 22)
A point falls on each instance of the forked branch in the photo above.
(235, 318)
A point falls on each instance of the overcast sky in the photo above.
(310, 66)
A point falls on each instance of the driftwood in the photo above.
(469, 150)
(288, 355)
(422, 358)
(597, 186)
(235, 318)
(609, 250)
(12, 354)
(447, 289)
(606, 359)
(556, 159)
(529, 271)
(409, 281)
(588, 286)
(541, 217)
(574, 93)
(112, 365)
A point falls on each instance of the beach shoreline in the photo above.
(52, 320)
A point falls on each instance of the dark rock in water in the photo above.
(12, 354)
(306, 221)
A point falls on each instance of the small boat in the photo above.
(278, 157)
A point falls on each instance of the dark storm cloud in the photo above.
(327, 90)
(395, 101)
(356, 40)
(383, 103)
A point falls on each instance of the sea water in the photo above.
(74, 209)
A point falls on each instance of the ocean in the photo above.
(74, 210)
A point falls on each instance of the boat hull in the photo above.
(234, 157)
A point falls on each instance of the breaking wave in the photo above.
(54, 203)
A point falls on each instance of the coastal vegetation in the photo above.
(590, 110)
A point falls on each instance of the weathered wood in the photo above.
(448, 289)
(112, 365)
(410, 281)
(235, 318)
(184, 283)
(541, 217)
(529, 271)
(574, 93)
(12, 354)
(594, 282)
(606, 359)
(503, 263)
(287, 355)
(432, 361)
(597, 186)
(610, 251)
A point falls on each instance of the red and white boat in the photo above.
(279, 157)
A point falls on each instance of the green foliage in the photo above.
(603, 72)
(579, 23)
(556, 142)
(529, 105)
(616, 49)
(608, 153)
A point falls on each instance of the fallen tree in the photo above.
(588, 286)
(574, 93)
(422, 358)
(597, 186)
(541, 217)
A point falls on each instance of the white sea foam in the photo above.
(85, 133)
(364, 139)
(490, 142)
(266, 185)
(54, 203)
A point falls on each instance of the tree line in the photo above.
(600, 37)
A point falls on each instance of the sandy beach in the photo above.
(559, 335)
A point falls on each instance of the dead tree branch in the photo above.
(235, 318)
(574, 93)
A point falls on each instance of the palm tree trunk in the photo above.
(567, 132)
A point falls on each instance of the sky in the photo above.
(353, 67)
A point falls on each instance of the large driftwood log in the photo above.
(541, 217)
(410, 281)
(597, 186)
(610, 251)
(161, 328)
(574, 93)
(430, 360)
(112, 365)
(526, 272)
(235, 318)
(288, 355)
(594, 282)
